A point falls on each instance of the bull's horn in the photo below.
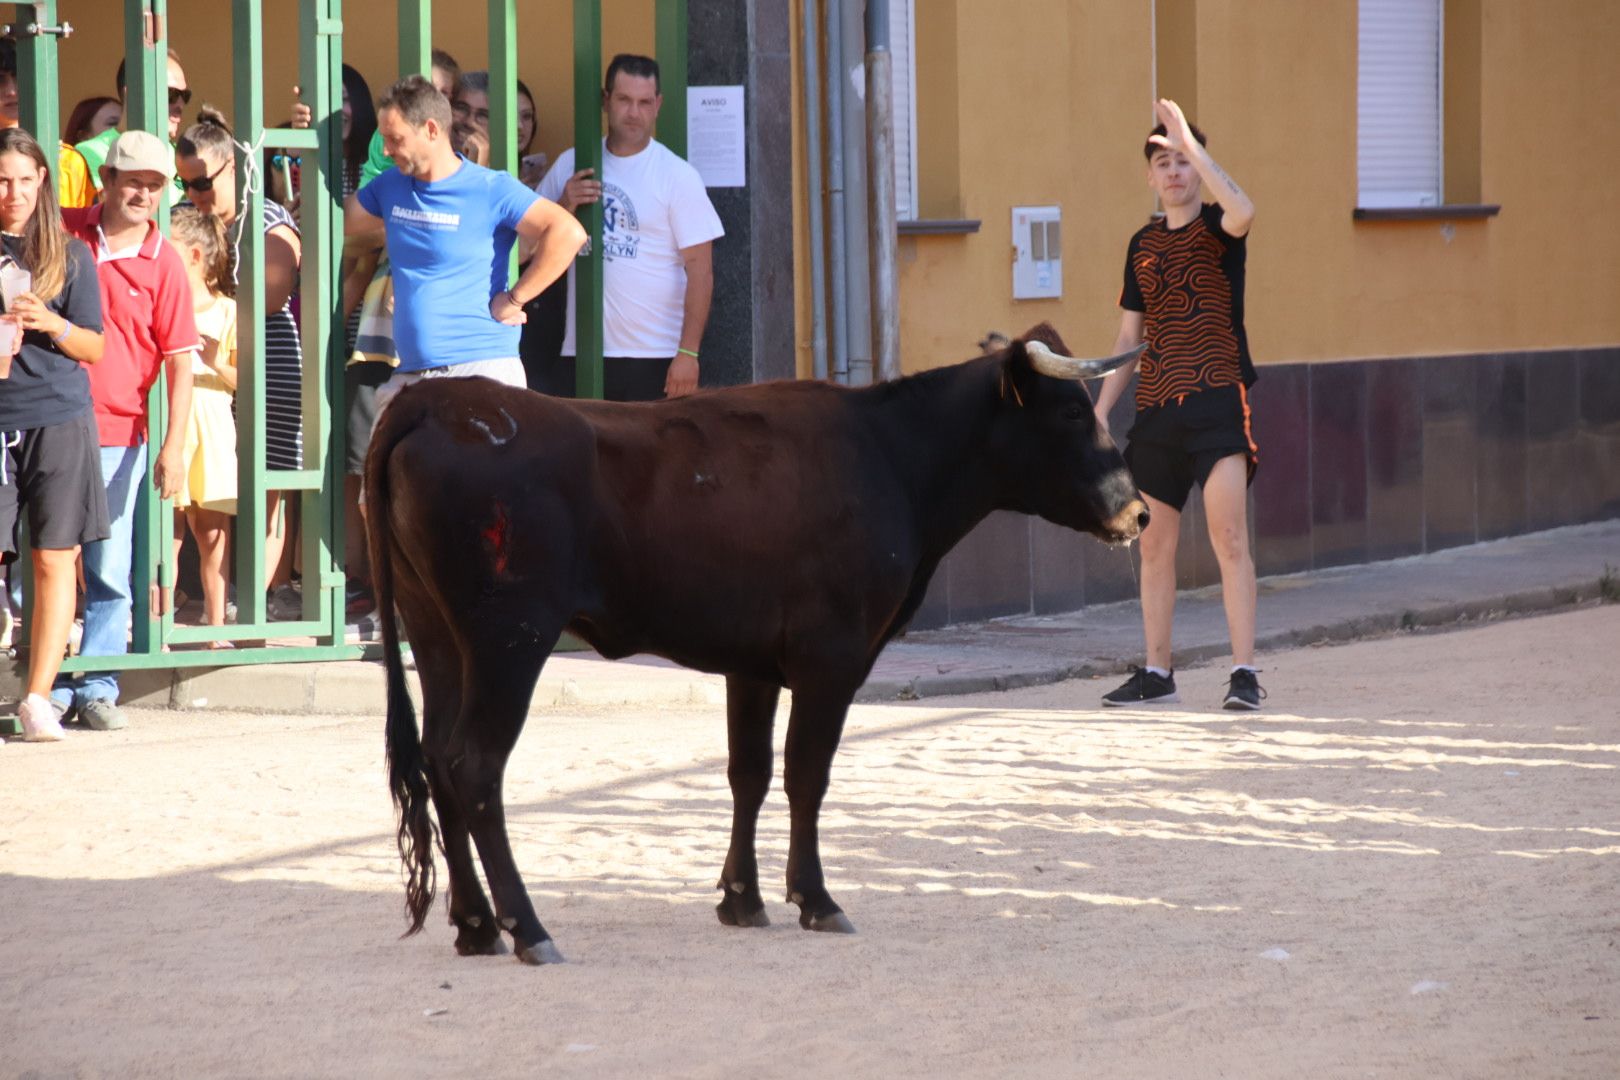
(1047, 362)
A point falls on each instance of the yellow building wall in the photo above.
(200, 31)
(1052, 100)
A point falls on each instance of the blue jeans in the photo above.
(107, 563)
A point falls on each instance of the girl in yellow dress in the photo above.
(208, 495)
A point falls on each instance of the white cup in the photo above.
(8, 340)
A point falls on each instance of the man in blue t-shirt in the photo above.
(450, 227)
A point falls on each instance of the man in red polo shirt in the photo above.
(146, 306)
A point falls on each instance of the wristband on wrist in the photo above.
(687, 352)
(512, 296)
(67, 328)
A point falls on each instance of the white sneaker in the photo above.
(39, 720)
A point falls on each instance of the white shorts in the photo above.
(508, 370)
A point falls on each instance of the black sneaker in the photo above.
(1144, 688)
(1243, 691)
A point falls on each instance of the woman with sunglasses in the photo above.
(206, 162)
(50, 455)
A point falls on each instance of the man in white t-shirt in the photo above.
(658, 236)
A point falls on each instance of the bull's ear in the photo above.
(1047, 335)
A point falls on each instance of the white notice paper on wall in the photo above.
(716, 138)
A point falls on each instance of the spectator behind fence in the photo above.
(95, 148)
(469, 111)
(208, 491)
(544, 317)
(146, 305)
(207, 164)
(450, 225)
(531, 166)
(91, 117)
(74, 174)
(658, 233)
(48, 460)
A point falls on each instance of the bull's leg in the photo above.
(495, 701)
(750, 716)
(438, 662)
(814, 727)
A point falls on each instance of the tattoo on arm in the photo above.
(1220, 172)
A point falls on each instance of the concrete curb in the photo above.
(1353, 628)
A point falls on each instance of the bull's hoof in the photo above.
(835, 923)
(733, 911)
(470, 947)
(543, 951)
(480, 937)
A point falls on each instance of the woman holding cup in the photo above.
(51, 460)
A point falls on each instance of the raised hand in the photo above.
(1178, 133)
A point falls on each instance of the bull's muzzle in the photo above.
(1128, 524)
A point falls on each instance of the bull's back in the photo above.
(739, 519)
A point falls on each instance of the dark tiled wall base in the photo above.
(1359, 461)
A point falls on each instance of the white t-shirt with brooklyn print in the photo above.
(653, 205)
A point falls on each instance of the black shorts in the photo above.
(360, 382)
(56, 472)
(624, 378)
(1173, 446)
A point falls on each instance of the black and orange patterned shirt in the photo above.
(1188, 282)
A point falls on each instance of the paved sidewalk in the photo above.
(1540, 572)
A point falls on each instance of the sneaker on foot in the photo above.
(102, 714)
(1243, 691)
(39, 720)
(285, 604)
(1144, 688)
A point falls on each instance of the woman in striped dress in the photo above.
(206, 161)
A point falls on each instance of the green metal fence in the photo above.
(156, 640)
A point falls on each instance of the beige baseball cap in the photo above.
(141, 151)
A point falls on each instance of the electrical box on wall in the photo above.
(1037, 252)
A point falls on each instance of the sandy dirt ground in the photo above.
(1406, 867)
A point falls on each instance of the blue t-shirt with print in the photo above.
(450, 244)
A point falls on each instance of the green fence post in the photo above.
(320, 76)
(503, 85)
(416, 38)
(41, 112)
(146, 108)
(146, 66)
(671, 47)
(588, 155)
(247, 39)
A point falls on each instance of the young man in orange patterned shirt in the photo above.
(1183, 295)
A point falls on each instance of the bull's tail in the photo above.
(407, 779)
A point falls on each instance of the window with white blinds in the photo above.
(1398, 136)
(902, 50)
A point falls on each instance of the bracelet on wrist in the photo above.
(687, 352)
(58, 338)
(512, 296)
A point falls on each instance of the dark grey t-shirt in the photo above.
(46, 387)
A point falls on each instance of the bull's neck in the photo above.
(945, 472)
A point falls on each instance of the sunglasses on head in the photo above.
(204, 184)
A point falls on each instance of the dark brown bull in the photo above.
(779, 535)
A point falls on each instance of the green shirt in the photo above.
(95, 151)
(377, 161)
